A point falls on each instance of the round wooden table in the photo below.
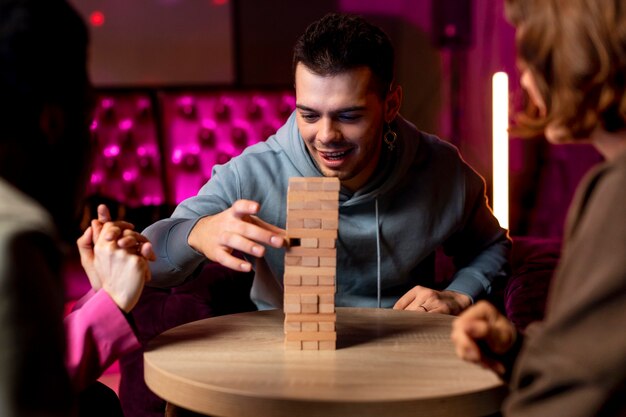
(387, 363)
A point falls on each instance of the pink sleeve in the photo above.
(97, 335)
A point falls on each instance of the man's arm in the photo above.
(181, 245)
(480, 250)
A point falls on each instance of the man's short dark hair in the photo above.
(341, 42)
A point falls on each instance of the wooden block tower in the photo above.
(311, 263)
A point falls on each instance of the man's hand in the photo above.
(236, 228)
(431, 301)
(481, 334)
(122, 271)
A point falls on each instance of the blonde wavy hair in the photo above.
(576, 52)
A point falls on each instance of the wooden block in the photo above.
(313, 205)
(314, 214)
(325, 298)
(305, 180)
(293, 260)
(310, 298)
(326, 243)
(310, 345)
(295, 327)
(293, 345)
(311, 336)
(300, 251)
(327, 261)
(292, 308)
(309, 308)
(310, 261)
(315, 186)
(312, 326)
(292, 298)
(326, 345)
(310, 280)
(328, 205)
(309, 270)
(315, 180)
(323, 308)
(312, 223)
(295, 223)
(323, 326)
(331, 185)
(296, 185)
(326, 280)
(310, 233)
(309, 289)
(329, 224)
(297, 205)
(311, 196)
(292, 280)
(319, 318)
(309, 242)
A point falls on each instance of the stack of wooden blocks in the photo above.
(311, 263)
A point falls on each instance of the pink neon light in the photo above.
(209, 123)
(125, 124)
(128, 176)
(177, 156)
(111, 151)
(106, 103)
(96, 178)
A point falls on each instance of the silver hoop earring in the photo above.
(390, 138)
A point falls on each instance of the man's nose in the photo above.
(327, 131)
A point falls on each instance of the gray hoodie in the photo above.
(422, 196)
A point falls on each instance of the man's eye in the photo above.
(349, 117)
(309, 117)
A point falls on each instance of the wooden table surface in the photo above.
(387, 363)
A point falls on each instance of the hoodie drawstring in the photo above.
(378, 254)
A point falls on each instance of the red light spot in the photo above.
(96, 18)
(220, 2)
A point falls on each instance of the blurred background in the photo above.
(185, 84)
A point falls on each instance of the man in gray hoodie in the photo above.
(404, 193)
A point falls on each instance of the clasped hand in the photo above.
(115, 258)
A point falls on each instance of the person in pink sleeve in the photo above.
(48, 367)
(97, 330)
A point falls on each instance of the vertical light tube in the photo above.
(500, 150)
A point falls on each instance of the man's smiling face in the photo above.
(341, 119)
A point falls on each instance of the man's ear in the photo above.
(52, 123)
(393, 101)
